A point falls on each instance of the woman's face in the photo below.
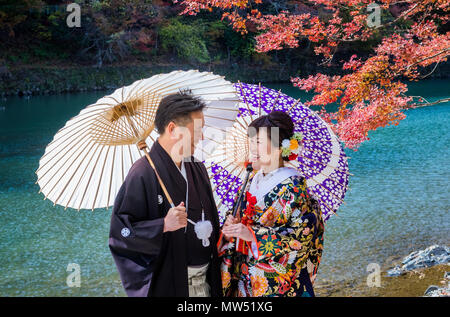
(262, 151)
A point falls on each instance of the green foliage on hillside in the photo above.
(115, 31)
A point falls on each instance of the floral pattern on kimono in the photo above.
(288, 228)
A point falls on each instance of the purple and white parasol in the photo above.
(322, 160)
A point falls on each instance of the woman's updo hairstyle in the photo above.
(275, 119)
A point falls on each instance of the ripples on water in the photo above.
(398, 201)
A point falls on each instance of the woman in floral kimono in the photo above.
(274, 249)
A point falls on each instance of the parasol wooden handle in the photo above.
(249, 169)
(142, 146)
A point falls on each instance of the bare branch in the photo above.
(430, 103)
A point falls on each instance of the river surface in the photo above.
(398, 200)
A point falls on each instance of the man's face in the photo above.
(195, 127)
(189, 135)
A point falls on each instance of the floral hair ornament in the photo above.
(290, 148)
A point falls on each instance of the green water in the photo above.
(398, 202)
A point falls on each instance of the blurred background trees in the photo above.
(115, 31)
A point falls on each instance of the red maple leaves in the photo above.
(371, 95)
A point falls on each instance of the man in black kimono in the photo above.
(154, 245)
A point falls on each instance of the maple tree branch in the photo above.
(428, 57)
(432, 71)
(426, 104)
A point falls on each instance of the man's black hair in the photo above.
(177, 107)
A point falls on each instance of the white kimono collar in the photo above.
(261, 184)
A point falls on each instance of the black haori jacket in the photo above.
(150, 262)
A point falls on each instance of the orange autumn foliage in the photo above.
(370, 94)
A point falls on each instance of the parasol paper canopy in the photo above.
(322, 160)
(89, 158)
